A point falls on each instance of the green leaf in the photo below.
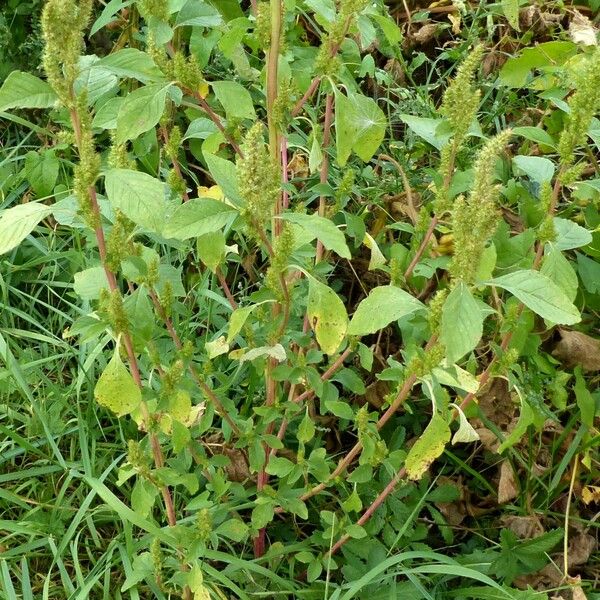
(383, 305)
(106, 115)
(306, 429)
(23, 90)
(585, 401)
(340, 409)
(140, 111)
(537, 168)
(235, 99)
(526, 418)
(142, 497)
(18, 222)
(327, 315)
(465, 432)
(211, 249)
(569, 235)
(133, 63)
(323, 229)
(116, 389)
(589, 271)
(198, 217)
(262, 515)
(510, 8)
(42, 171)
(88, 283)
(428, 129)
(427, 448)
(359, 125)
(238, 319)
(557, 268)
(279, 466)
(139, 196)
(234, 529)
(535, 134)
(225, 174)
(462, 323)
(540, 294)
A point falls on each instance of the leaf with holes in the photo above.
(327, 315)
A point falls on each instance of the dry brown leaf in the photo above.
(425, 33)
(591, 493)
(524, 528)
(497, 404)
(581, 547)
(507, 485)
(577, 348)
(582, 31)
(578, 593)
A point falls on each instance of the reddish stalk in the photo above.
(225, 288)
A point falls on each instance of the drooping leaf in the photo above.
(537, 168)
(585, 401)
(140, 111)
(23, 90)
(116, 389)
(557, 268)
(359, 125)
(211, 249)
(41, 169)
(465, 432)
(526, 418)
(323, 229)
(139, 196)
(18, 222)
(540, 294)
(462, 323)
(198, 217)
(327, 315)
(383, 305)
(428, 447)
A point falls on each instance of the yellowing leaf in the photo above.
(203, 89)
(590, 493)
(466, 433)
(214, 191)
(180, 405)
(427, 448)
(327, 315)
(116, 389)
(217, 347)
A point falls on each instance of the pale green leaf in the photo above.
(465, 432)
(377, 257)
(211, 248)
(18, 222)
(462, 323)
(235, 99)
(277, 352)
(42, 171)
(224, 173)
(557, 268)
(323, 229)
(427, 448)
(327, 315)
(383, 305)
(217, 347)
(569, 235)
(198, 217)
(133, 63)
(234, 529)
(140, 111)
(540, 294)
(23, 90)
(116, 389)
(88, 283)
(537, 168)
(139, 196)
(510, 8)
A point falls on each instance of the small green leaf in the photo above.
(356, 532)
(116, 389)
(327, 315)
(140, 111)
(238, 319)
(323, 229)
(42, 171)
(427, 448)
(217, 347)
(462, 323)
(535, 134)
(23, 90)
(526, 418)
(540, 294)
(306, 429)
(383, 305)
(510, 8)
(279, 466)
(465, 433)
(18, 222)
(211, 248)
(262, 515)
(340, 409)
(234, 529)
(585, 401)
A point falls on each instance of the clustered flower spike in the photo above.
(474, 219)
(584, 104)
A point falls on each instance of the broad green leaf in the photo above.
(230, 9)
(323, 229)
(306, 429)
(535, 134)
(18, 222)
(537, 168)
(454, 376)
(340, 409)
(41, 169)
(234, 529)
(517, 71)
(88, 283)
(198, 14)
(383, 305)
(235, 99)
(279, 466)
(462, 323)
(108, 14)
(262, 514)
(140, 111)
(94, 79)
(428, 129)
(198, 217)
(557, 268)
(225, 174)
(116, 389)
(133, 63)
(510, 8)
(569, 235)
(23, 90)
(540, 294)
(465, 432)
(427, 448)
(200, 129)
(390, 29)
(327, 316)
(359, 125)
(211, 249)
(139, 196)
(106, 115)
(589, 271)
